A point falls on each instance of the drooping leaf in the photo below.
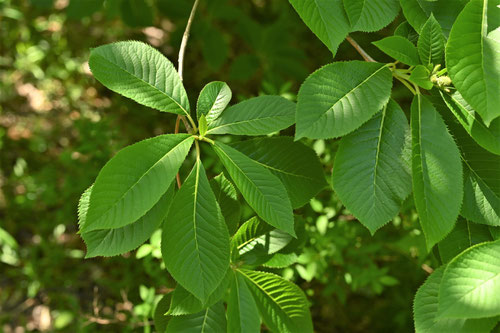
(242, 312)
(133, 181)
(112, 242)
(473, 58)
(210, 320)
(400, 49)
(340, 97)
(227, 197)
(415, 12)
(295, 164)
(255, 242)
(138, 71)
(445, 11)
(263, 191)
(488, 138)
(431, 43)
(255, 116)
(371, 173)
(436, 172)
(370, 16)
(195, 241)
(282, 305)
(464, 235)
(481, 202)
(213, 99)
(159, 317)
(425, 307)
(420, 76)
(326, 18)
(471, 283)
(183, 302)
(406, 30)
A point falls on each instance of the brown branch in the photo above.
(360, 50)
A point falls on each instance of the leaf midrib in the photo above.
(358, 86)
(244, 121)
(133, 185)
(147, 83)
(266, 293)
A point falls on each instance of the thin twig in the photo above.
(185, 38)
(180, 68)
(360, 50)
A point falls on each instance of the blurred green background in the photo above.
(58, 126)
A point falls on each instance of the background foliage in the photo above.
(58, 127)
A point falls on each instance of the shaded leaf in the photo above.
(263, 191)
(227, 197)
(210, 320)
(326, 18)
(242, 312)
(296, 165)
(282, 305)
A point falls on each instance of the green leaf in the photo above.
(415, 13)
(112, 242)
(371, 173)
(210, 320)
(282, 305)
(183, 302)
(195, 241)
(400, 49)
(202, 125)
(425, 307)
(431, 43)
(138, 71)
(295, 164)
(159, 317)
(263, 191)
(445, 11)
(242, 312)
(326, 18)
(255, 241)
(255, 116)
(436, 172)
(340, 97)
(227, 198)
(495, 232)
(481, 202)
(213, 99)
(420, 76)
(473, 59)
(463, 236)
(406, 30)
(471, 284)
(488, 138)
(369, 16)
(133, 181)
